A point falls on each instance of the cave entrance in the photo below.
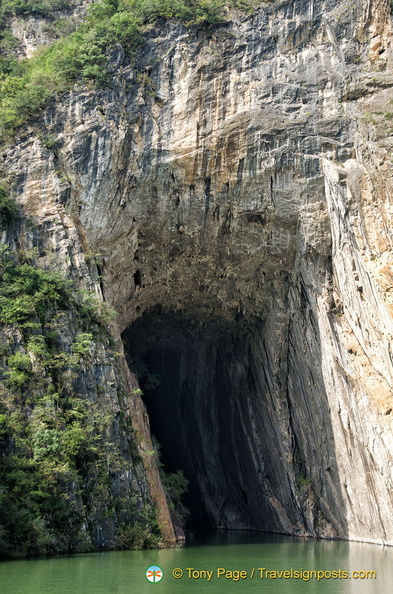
(203, 387)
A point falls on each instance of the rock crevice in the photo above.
(236, 192)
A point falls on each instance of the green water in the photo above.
(124, 572)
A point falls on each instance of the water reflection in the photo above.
(124, 572)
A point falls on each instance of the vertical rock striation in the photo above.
(236, 188)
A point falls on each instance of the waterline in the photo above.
(222, 563)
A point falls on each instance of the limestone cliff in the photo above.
(235, 187)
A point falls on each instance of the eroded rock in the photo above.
(239, 204)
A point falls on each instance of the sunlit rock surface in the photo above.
(235, 189)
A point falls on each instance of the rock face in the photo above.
(236, 190)
(35, 31)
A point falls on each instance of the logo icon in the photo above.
(154, 574)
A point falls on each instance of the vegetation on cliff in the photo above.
(8, 208)
(58, 454)
(27, 85)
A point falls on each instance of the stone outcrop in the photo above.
(34, 31)
(235, 189)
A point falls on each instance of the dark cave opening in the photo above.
(160, 349)
(166, 421)
(204, 387)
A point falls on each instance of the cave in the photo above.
(228, 196)
(208, 390)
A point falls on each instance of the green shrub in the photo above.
(8, 209)
(26, 292)
(303, 481)
(144, 533)
(27, 86)
(51, 439)
(82, 344)
(176, 486)
(61, 27)
(49, 142)
(33, 7)
(36, 345)
(3, 425)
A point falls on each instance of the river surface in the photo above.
(212, 564)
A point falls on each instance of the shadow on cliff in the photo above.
(235, 411)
